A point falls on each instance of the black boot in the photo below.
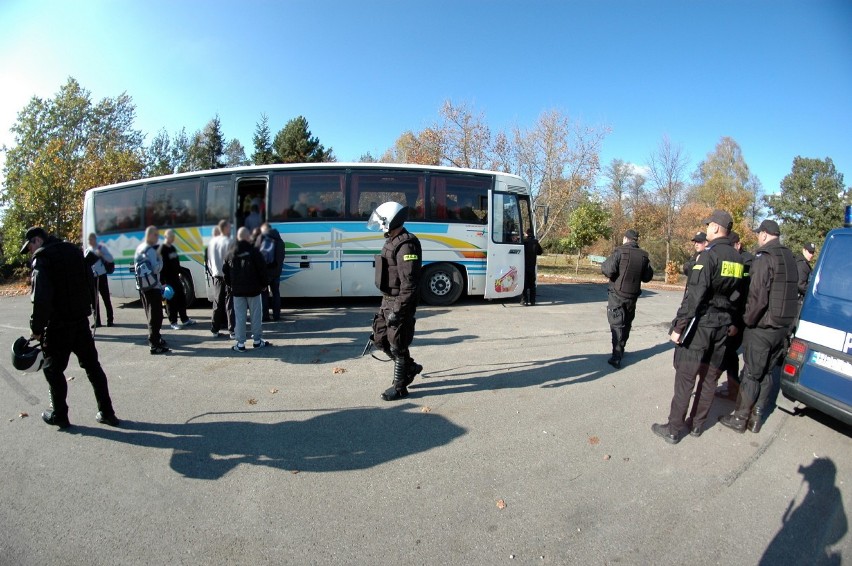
(398, 389)
(755, 420)
(734, 422)
(412, 368)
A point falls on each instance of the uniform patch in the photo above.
(732, 269)
(698, 266)
(410, 257)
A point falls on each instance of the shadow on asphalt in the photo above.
(333, 441)
(557, 372)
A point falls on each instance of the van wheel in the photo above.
(188, 287)
(441, 284)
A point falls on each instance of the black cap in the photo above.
(34, 232)
(721, 218)
(632, 235)
(699, 237)
(810, 247)
(770, 227)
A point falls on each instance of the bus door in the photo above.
(504, 275)
(251, 207)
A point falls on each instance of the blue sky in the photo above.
(776, 76)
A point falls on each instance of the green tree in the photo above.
(235, 154)
(589, 222)
(212, 145)
(180, 152)
(810, 202)
(724, 181)
(64, 146)
(263, 154)
(160, 156)
(295, 144)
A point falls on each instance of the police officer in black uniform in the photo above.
(732, 356)
(62, 303)
(398, 278)
(770, 311)
(532, 249)
(803, 265)
(699, 244)
(701, 327)
(627, 268)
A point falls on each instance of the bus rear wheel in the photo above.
(441, 284)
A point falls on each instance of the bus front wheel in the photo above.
(441, 284)
(188, 287)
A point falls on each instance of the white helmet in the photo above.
(387, 216)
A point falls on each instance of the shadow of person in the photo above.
(207, 447)
(557, 372)
(808, 532)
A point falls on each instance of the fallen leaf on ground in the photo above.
(294, 472)
(69, 378)
(339, 370)
(501, 504)
(594, 440)
(426, 410)
(22, 415)
(607, 456)
(252, 401)
(273, 391)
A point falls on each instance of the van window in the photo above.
(835, 267)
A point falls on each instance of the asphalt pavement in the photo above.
(518, 445)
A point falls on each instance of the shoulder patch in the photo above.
(410, 257)
(697, 266)
(732, 269)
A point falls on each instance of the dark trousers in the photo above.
(762, 348)
(732, 357)
(701, 360)
(620, 312)
(152, 300)
(60, 341)
(529, 285)
(177, 304)
(393, 340)
(223, 306)
(101, 286)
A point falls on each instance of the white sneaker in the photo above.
(189, 322)
(176, 326)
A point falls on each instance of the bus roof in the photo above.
(521, 186)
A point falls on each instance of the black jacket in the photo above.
(245, 270)
(772, 295)
(627, 268)
(531, 249)
(171, 265)
(61, 285)
(714, 286)
(804, 269)
(398, 271)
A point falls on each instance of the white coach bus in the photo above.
(470, 224)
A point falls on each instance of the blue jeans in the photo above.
(241, 305)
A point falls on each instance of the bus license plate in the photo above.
(830, 362)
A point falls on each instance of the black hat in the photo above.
(34, 232)
(632, 235)
(733, 237)
(810, 247)
(721, 218)
(699, 238)
(770, 227)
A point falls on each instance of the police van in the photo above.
(818, 368)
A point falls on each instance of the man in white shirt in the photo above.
(223, 302)
(97, 255)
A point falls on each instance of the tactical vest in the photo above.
(69, 278)
(387, 273)
(784, 291)
(629, 280)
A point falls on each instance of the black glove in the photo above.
(394, 319)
